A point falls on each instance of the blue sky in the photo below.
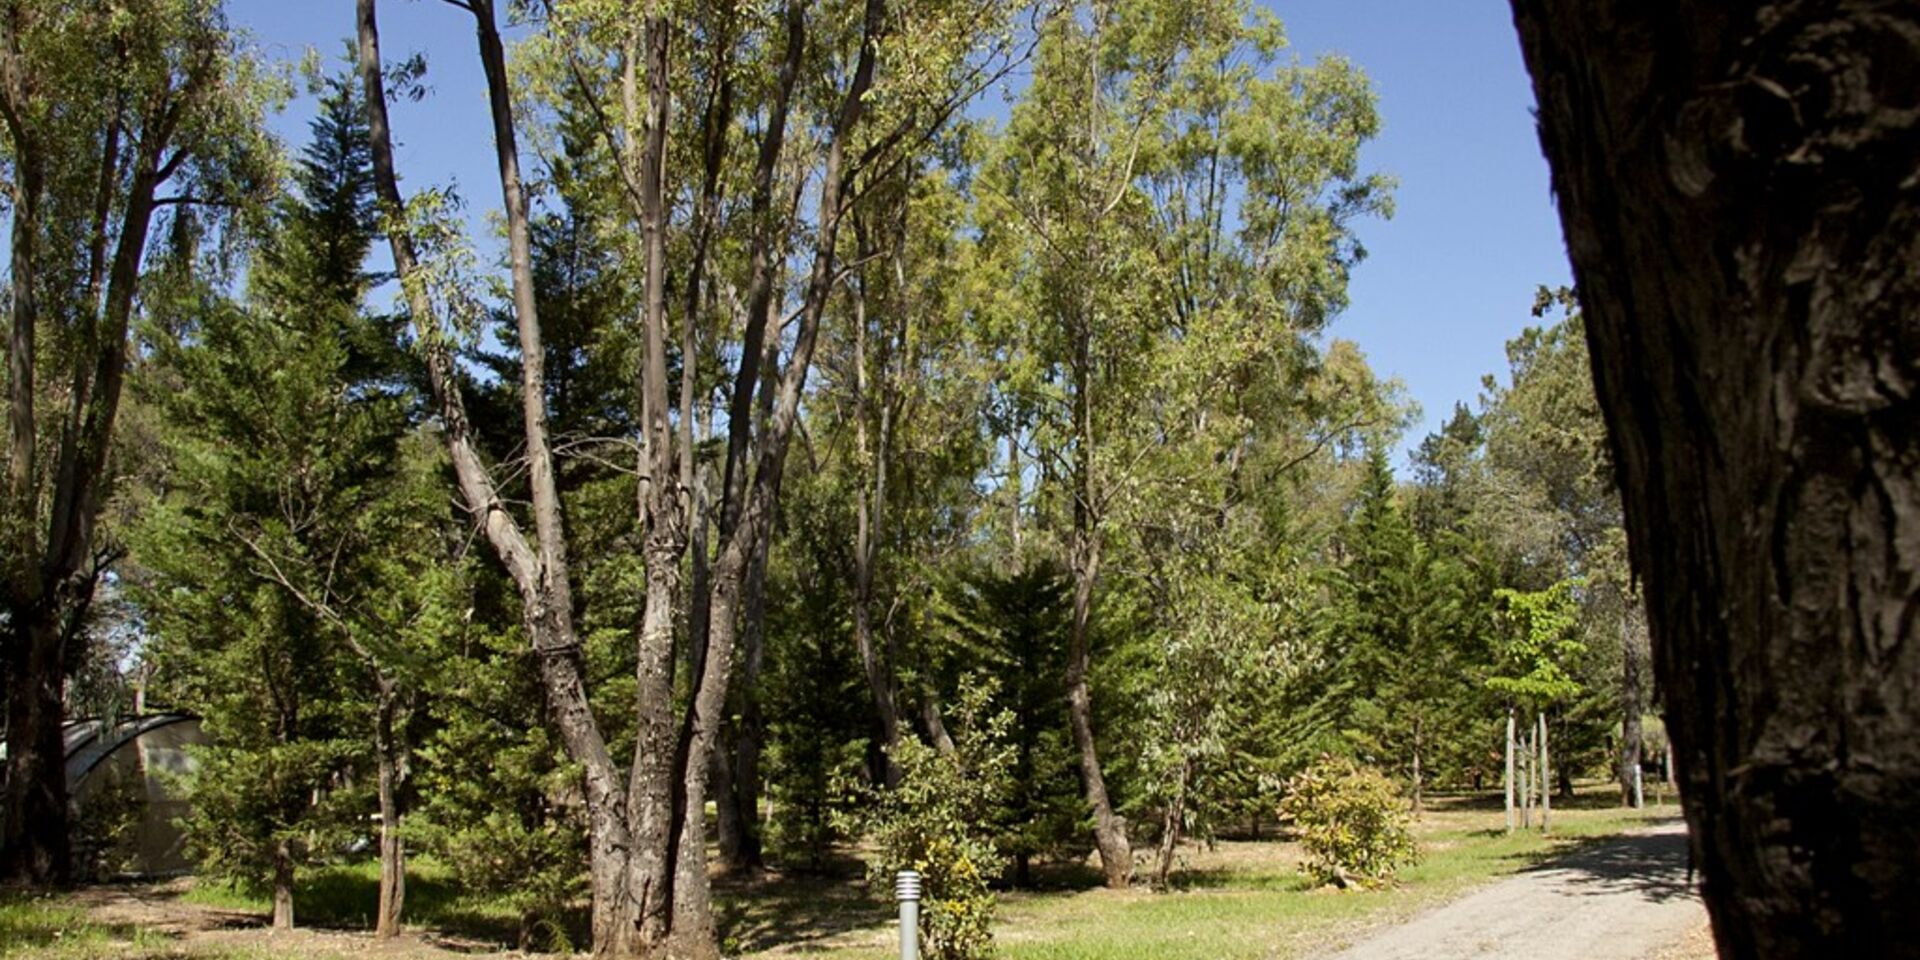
(1447, 281)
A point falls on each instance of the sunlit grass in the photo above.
(1239, 899)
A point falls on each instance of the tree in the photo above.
(1178, 216)
(1404, 612)
(647, 837)
(1546, 497)
(1738, 205)
(1533, 675)
(102, 108)
(1012, 628)
(305, 495)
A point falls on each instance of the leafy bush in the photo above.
(1352, 822)
(940, 822)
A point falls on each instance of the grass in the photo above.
(48, 927)
(343, 897)
(1237, 900)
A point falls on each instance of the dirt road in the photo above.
(1621, 899)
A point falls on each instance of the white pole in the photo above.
(1639, 797)
(906, 889)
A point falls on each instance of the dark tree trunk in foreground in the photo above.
(1737, 183)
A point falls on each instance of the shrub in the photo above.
(940, 821)
(1352, 822)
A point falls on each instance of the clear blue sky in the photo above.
(1447, 281)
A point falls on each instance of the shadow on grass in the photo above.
(1490, 801)
(29, 921)
(345, 897)
(774, 909)
(1219, 878)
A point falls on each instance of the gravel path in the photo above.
(1623, 899)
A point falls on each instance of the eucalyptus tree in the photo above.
(1179, 209)
(900, 412)
(111, 115)
(1739, 207)
(881, 89)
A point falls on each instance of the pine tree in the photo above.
(292, 499)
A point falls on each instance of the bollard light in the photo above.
(906, 889)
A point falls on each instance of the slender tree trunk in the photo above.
(869, 529)
(936, 726)
(538, 569)
(1109, 829)
(750, 727)
(1508, 780)
(1417, 807)
(736, 766)
(1736, 184)
(283, 885)
(746, 513)
(393, 855)
(1529, 758)
(1632, 706)
(1171, 823)
(1545, 776)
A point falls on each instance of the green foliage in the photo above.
(1540, 642)
(1352, 823)
(940, 821)
(1013, 627)
(295, 550)
(493, 785)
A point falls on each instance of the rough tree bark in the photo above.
(1737, 182)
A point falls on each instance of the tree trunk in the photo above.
(749, 726)
(1737, 186)
(1632, 705)
(1529, 754)
(736, 766)
(1508, 780)
(1170, 826)
(1545, 776)
(393, 855)
(46, 589)
(870, 516)
(37, 845)
(537, 568)
(283, 885)
(1109, 829)
(936, 725)
(1417, 808)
